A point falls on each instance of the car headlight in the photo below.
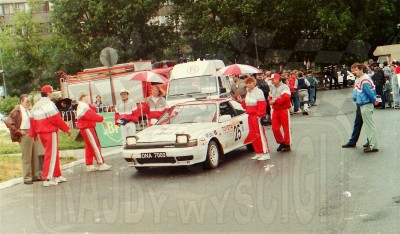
(131, 140)
(182, 139)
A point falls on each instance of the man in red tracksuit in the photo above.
(86, 122)
(279, 99)
(46, 121)
(255, 106)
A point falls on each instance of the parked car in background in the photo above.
(200, 131)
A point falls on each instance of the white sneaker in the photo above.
(91, 168)
(61, 179)
(50, 182)
(264, 157)
(257, 156)
(104, 167)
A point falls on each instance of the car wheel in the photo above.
(250, 147)
(142, 169)
(212, 159)
(350, 82)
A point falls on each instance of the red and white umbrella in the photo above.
(149, 76)
(238, 69)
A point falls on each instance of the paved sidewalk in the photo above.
(78, 154)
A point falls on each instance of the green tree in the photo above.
(91, 25)
(30, 56)
(228, 27)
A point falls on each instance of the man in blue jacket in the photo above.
(366, 99)
(358, 122)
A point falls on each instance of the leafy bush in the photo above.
(8, 104)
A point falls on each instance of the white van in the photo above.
(198, 79)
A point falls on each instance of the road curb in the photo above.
(15, 181)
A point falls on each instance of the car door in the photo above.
(233, 129)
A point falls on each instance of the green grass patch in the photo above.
(65, 142)
(11, 168)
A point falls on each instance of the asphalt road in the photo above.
(318, 187)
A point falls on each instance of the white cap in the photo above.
(124, 91)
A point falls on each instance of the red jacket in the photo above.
(281, 95)
(155, 109)
(293, 84)
(126, 110)
(45, 118)
(255, 103)
(86, 116)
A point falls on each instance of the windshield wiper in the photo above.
(176, 95)
(191, 93)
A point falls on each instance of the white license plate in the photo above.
(154, 155)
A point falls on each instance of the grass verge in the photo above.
(65, 142)
(11, 168)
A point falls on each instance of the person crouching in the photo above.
(86, 123)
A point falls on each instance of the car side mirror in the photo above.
(222, 90)
(224, 118)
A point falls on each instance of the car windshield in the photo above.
(192, 87)
(191, 113)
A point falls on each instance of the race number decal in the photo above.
(237, 130)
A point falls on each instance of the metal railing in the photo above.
(70, 117)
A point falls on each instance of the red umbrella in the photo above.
(238, 69)
(149, 76)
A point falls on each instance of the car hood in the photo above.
(158, 133)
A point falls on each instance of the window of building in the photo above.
(6, 9)
(43, 6)
(21, 7)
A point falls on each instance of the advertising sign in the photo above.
(109, 134)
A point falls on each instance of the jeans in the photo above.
(358, 123)
(295, 101)
(396, 95)
(312, 95)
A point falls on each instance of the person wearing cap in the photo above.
(126, 115)
(279, 99)
(255, 106)
(46, 120)
(86, 122)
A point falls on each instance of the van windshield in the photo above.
(192, 87)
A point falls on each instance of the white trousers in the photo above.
(128, 129)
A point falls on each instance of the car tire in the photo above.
(142, 169)
(350, 82)
(213, 155)
(250, 147)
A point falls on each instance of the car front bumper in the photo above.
(164, 157)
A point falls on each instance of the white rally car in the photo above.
(200, 131)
